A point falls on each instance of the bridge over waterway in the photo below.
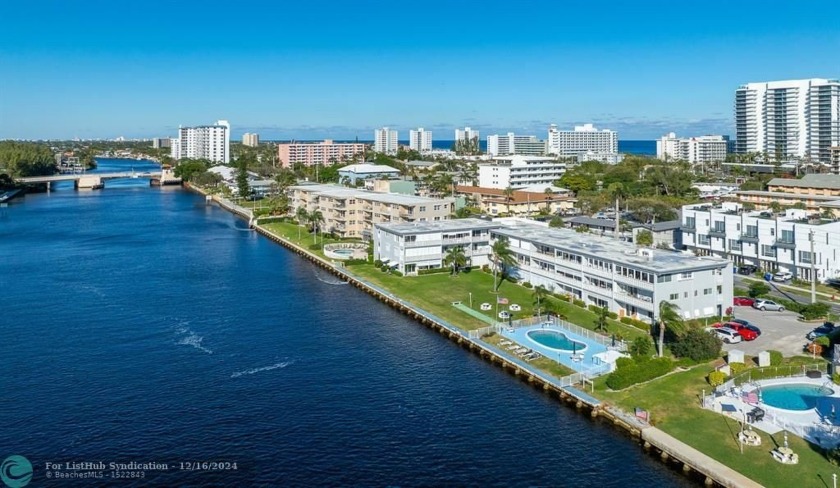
(97, 180)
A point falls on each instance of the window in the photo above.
(772, 232)
(720, 227)
(734, 245)
(752, 231)
(695, 293)
(685, 295)
(410, 238)
(768, 251)
(690, 222)
(437, 207)
(422, 208)
(703, 239)
(674, 296)
(720, 289)
(805, 257)
(707, 291)
(787, 236)
(663, 279)
(738, 227)
(686, 276)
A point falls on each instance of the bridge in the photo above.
(96, 180)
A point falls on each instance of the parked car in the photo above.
(746, 323)
(747, 269)
(768, 305)
(727, 335)
(743, 301)
(745, 332)
(823, 330)
(782, 276)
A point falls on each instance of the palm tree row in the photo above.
(314, 218)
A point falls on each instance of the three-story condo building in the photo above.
(620, 276)
(773, 243)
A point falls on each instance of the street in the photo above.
(741, 282)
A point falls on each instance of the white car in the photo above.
(768, 305)
(783, 276)
(727, 335)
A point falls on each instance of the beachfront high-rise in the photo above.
(385, 141)
(203, 142)
(584, 139)
(466, 134)
(788, 119)
(695, 150)
(326, 152)
(420, 140)
(249, 139)
(510, 143)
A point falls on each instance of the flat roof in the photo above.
(410, 228)
(782, 194)
(660, 226)
(368, 168)
(811, 180)
(582, 219)
(344, 192)
(609, 249)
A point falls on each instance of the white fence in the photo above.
(616, 344)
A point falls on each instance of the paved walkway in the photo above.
(719, 472)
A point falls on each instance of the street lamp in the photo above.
(470, 299)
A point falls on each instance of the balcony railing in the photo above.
(717, 233)
(749, 238)
(785, 244)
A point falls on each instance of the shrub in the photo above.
(758, 288)
(790, 305)
(815, 310)
(698, 345)
(562, 298)
(383, 268)
(740, 292)
(527, 284)
(612, 315)
(396, 273)
(434, 271)
(636, 323)
(823, 341)
(737, 368)
(836, 378)
(485, 268)
(641, 347)
(488, 335)
(579, 303)
(377, 263)
(776, 358)
(716, 378)
(833, 456)
(630, 372)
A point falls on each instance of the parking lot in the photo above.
(780, 331)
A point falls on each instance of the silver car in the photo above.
(727, 335)
(768, 305)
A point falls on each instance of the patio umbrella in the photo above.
(574, 348)
(786, 441)
(613, 340)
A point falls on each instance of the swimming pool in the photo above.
(795, 396)
(343, 252)
(558, 341)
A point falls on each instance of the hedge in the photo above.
(716, 378)
(434, 271)
(776, 358)
(636, 323)
(633, 371)
(579, 303)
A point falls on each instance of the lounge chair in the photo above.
(505, 342)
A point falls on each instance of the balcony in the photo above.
(688, 228)
(784, 244)
(412, 244)
(721, 234)
(644, 301)
(749, 238)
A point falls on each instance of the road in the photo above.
(775, 291)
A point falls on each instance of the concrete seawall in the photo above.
(668, 449)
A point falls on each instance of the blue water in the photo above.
(793, 397)
(556, 340)
(141, 325)
(639, 148)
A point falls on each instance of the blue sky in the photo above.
(308, 70)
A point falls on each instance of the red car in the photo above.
(743, 301)
(745, 332)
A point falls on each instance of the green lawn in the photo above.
(674, 403)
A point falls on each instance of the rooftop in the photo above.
(368, 168)
(660, 226)
(421, 164)
(610, 249)
(592, 221)
(812, 180)
(410, 228)
(792, 196)
(344, 192)
(519, 196)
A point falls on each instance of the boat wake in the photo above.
(328, 279)
(261, 369)
(190, 338)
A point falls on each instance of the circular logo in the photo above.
(16, 471)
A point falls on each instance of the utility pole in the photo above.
(813, 269)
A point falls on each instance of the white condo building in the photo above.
(510, 143)
(584, 139)
(420, 140)
(788, 119)
(600, 271)
(203, 142)
(249, 139)
(519, 172)
(695, 150)
(385, 141)
(758, 238)
(466, 134)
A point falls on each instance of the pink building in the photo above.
(312, 153)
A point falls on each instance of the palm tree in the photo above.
(316, 218)
(508, 193)
(601, 320)
(502, 258)
(302, 217)
(617, 192)
(539, 294)
(548, 194)
(669, 316)
(456, 258)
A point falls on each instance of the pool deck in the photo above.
(586, 364)
(820, 425)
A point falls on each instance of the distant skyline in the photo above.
(93, 69)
